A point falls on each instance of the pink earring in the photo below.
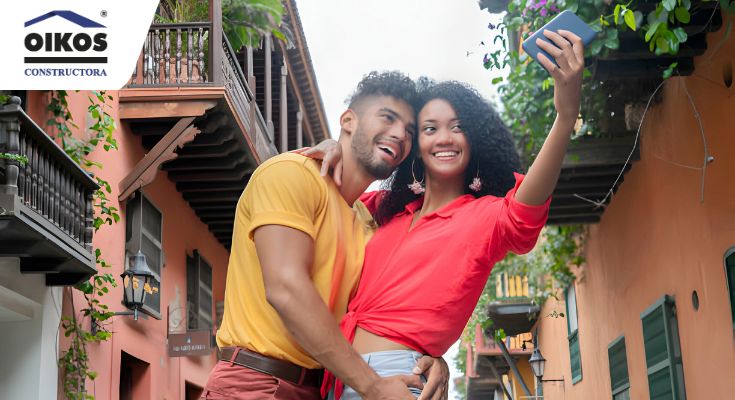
(416, 187)
(476, 184)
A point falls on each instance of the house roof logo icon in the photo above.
(70, 16)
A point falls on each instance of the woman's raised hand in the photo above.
(567, 72)
(330, 152)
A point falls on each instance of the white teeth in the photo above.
(387, 150)
(445, 154)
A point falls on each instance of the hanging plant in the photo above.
(244, 22)
(74, 361)
(526, 91)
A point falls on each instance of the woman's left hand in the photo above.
(330, 152)
(567, 72)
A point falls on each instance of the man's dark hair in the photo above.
(388, 83)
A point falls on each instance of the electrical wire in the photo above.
(601, 203)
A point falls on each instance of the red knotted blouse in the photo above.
(419, 286)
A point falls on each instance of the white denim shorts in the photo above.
(387, 363)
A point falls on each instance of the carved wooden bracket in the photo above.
(165, 150)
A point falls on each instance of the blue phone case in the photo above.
(566, 20)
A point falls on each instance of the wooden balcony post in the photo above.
(250, 71)
(284, 109)
(299, 128)
(268, 89)
(9, 143)
(215, 42)
(88, 220)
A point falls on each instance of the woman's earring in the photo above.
(416, 187)
(476, 184)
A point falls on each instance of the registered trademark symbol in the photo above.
(103, 13)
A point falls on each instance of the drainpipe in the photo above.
(513, 366)
(500, 379)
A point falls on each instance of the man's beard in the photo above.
(365, 156)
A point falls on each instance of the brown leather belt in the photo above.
(271, 366)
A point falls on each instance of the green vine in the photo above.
(526, 89)
(74, 362)
(23, 160)
(4, 98)
(244, 22)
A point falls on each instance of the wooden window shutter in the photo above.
(192, 293)
(618, 360)
(205, 294)
(663, 355)
(730, 274)
(198, 292)
(575, 356)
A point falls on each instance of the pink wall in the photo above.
(183, 232)
(657, 238)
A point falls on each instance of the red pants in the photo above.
(233, 382)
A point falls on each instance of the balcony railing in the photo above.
(181, 54)
(46, 213)
(511, 286)
(173, 54)
(513, 310)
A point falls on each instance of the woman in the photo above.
(443, 224)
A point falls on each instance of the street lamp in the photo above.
(537, 362)
(137, 283)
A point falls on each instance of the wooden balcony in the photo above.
(46, 204)
(634, 62)
(512, 310)
(175, 78)
(592, 172)
(208, 115)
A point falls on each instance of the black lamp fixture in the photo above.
(538, 362)
(137, 283)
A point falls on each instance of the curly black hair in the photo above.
(491, 148)
(389, 83)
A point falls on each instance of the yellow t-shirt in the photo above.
(288, 190)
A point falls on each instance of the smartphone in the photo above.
(566, 20)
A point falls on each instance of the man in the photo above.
(297, 253)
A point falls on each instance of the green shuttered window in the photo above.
(663, 354)
(730, 274)
(618, 369)
(574, 354)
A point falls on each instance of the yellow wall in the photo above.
(527, 373)
(657, 238)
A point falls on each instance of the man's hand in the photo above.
(436, 372)
(393, 388)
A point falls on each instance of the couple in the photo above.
(301, 259)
